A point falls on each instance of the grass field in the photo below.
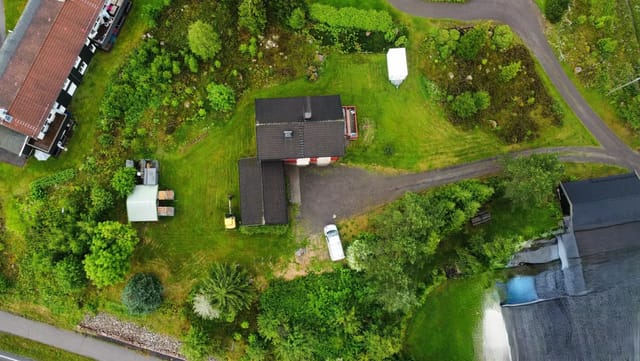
(35, 350)
(446, 325)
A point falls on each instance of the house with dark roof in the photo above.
(298, 131)
(42, 62)
(584, 307)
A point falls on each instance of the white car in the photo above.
(336, 252)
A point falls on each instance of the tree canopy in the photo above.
(252, 16)
(112, 245)
(530, 181)
(142, 294)
(227, 291)
(124, 180)
(204, 41)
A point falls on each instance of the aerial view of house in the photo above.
(284, 180)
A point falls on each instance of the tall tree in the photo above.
(252, 16)
(204, 41)
(111, 248)
(530, 181)
(124, 180)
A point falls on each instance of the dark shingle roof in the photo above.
(615, 238)
(320, 136)
(43, 59)
(601, 325)
(604, 202)
(262, 192)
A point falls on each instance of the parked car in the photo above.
(334, 243)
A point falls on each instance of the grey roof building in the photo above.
(586, 306)
(310, 129)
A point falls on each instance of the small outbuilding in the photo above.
(397, 65)
(142, 204)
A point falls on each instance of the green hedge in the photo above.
(369, 20)
(38, 188)
(276, 230)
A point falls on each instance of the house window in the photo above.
(66, 84)
(78, 60)
(72, 88)
(82, 68)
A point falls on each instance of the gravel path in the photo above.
(109, 326)
(68, 340)
(347, 191)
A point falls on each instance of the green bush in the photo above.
(471, 42)
(509, 72)
(142, 294)
(468, 104)
(204, 41)
(124, 181)
(502, 37)
(221, 97)
(111, 248)
(227, 291)
(38, 188)
(297, 20)
(252, 16)
(554, 9)
(607, 46)
(197, 344)
(348, 17)
(4, 283)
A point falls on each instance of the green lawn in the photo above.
(35, 350)
(12, 11)
(446, 326)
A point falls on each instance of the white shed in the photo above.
(397, 65)
(142, 204)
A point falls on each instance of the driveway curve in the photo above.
(346, 191)
(526, 20)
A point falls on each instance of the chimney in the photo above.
(307, 109)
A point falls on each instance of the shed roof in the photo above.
(36, 64)
(603, 202)
(262, 192)
(142, 204)
(397, 65)
(282, 132)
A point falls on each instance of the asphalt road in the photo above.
(68, 340)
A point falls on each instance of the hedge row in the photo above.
(38, 187)
(348, 17)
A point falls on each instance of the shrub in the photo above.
(607, 46)
(297, 19)
(112, 245)
(275, 230)
(142, 294)
(221, 97)
(471, 43)
(197, 344)
(554, 9)
(4, 283)
(38, 188)
(252, 16)
(348, 17)
(530, 181)
(124, 180)
(204, 41)
(502, 37)
(509, 72)
(464, 105)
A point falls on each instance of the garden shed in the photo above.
(397, 65)
(142, 204)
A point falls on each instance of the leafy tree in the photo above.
(204, 41)
(252, 16)
(111, 248)
(471, 43)
(530, 181)
(502, 37)
(297, 19)
(124, 180)
(221, 97)
(554, 9)
(142, 294)
(101, 201)
(509, 72)
(227, 291)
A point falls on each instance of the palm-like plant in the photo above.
(227, 291)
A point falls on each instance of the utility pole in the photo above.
(623, 85)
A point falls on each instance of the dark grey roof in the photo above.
(604, 202)
(262, 192)
(597, 241)
(601, 325)
(12, 141)
(283, 133)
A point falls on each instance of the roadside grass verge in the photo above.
(577, 171)
(12, 11)
(35, 350)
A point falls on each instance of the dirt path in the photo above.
(347, 191)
